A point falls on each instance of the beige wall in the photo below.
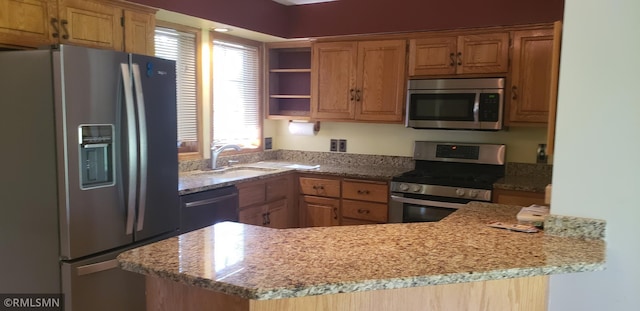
(397, 140)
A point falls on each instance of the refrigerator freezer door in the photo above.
(88, 91)
(98, 284)
(155, 93)
(28, 217)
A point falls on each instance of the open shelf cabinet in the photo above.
(289, 80)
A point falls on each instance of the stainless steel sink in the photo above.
(232, 173)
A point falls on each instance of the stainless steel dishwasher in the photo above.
(202, 209)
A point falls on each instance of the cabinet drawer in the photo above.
(320, 186)
(250, 194)
(277, 188)
(364, 210)
(365, 190)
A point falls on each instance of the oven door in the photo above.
(421, 209)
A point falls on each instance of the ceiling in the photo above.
(300, 2)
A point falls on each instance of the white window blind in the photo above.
(236, 106)
(182, 47)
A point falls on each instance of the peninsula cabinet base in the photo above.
(520, 294)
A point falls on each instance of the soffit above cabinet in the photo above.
(301, 2)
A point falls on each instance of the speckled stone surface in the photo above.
(191, 182)
(525, 177)
(261, 263)
(569, 226)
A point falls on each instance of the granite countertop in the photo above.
(261, 263)
(197, 181)
(523, 183)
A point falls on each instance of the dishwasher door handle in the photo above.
(211, 201)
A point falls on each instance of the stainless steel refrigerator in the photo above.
(89, 169)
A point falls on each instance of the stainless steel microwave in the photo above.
(459, 104)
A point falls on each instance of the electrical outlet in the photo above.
(268, 143)
(342, 145)
(333, 146)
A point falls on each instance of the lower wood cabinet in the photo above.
(332, 201)
(319, 202)
(272, 215)
(515, 197)
(267, 202)
(319, 211)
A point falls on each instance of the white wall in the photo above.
(397, 140)
(597, 162)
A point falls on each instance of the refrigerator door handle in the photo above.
(97, 267)
(142, 125)
(132, 145)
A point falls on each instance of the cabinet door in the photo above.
(320, 212)
(333, 82)
(26, 22)
(381, 80)
(368, 211)
(320, 186)
(90, 23)
(485, 53)
(364, 190)
(255, 215)
(530, 76)
(277, 214)
(432, 56)
(251, 193)
(139, 29)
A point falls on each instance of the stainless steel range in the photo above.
(446, 176)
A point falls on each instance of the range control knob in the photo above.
(403, 187)
(473, 193)
(460, 192)
(416, 188)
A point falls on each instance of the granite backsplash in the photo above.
(305, 157)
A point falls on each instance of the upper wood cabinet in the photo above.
(358, 81)
(528, 95)
(463, 54)
(91, 23)
(26, 22)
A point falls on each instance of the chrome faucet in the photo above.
(216, 151)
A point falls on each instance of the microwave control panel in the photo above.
(489, 106)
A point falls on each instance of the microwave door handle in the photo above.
(476, 109)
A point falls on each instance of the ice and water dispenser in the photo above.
(96, 155)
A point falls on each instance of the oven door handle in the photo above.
(426, 202)
(476, 109)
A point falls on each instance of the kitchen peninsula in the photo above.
(449, 265)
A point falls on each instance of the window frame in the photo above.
(199, 154)
(214, 35)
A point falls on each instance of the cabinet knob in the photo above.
(335, 213)
(352, 93)
(459, 58)
(363, 191)
(514, 92)
(358, 95)
(452, 56)
(318, 187)
(264, 219)
(363, 211)
(64, 23)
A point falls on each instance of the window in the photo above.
(180, 45)
(236, 93)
